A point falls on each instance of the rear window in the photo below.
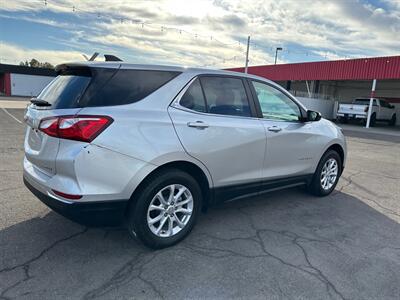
(65, 91)
(363, 101)
(103, 87)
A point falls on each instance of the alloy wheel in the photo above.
(329, 173)
(170, 210)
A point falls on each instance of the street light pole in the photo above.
(247, 55)
(276, 53)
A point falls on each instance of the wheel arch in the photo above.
(339, 149)
(189, 167)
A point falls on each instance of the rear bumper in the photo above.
(94, 213)
(351, 116)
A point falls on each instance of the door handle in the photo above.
(198, 125)
(274, 128)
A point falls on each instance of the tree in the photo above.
(34, 63)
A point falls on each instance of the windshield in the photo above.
(64, 91)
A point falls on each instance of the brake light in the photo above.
(79, 128)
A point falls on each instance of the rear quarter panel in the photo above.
(144, 132)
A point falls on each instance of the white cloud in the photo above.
(324, 29)
(37, 20)
(13, 54)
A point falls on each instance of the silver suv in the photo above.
(153, 145)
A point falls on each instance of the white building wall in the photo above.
(325, 107)
(345, 92)
(28, 85)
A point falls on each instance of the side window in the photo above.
(384, 103)
(275, 104)
(226, 96)
(193, 98)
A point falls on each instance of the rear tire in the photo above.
(392, 121)
(325, 178)
(154, 203)
(373, 120)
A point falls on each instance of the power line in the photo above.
(156, 26)
(224, 61)
(194, 35)
(286, 51)
(143, 23)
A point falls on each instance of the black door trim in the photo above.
(225, 193)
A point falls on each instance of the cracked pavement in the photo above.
(285, 244)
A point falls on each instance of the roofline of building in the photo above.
(333, 60)
(17, 69)
(386, 67)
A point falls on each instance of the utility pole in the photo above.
(247, 55)
(276, 53)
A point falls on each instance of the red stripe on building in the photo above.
(351, 69)
(7, 84)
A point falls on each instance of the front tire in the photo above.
(326, 175)
(165, 209)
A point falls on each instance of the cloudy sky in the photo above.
(198, 33)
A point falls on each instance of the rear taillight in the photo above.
(79, 128)
(366, 109)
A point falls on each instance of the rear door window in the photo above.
(225, 96)
(193, 98)
(384, 104)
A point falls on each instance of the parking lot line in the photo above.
(12, 116)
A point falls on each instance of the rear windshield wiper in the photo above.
(40, 102)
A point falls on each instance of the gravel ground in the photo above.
(285, 244)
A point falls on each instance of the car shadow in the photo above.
(333, 241)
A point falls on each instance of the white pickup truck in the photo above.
(381, 111)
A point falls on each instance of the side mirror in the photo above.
(313, 116)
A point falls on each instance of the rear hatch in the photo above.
(70, 96)
(60, 97)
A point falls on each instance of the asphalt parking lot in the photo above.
(285, 244)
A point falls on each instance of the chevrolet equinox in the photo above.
(151, 146)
